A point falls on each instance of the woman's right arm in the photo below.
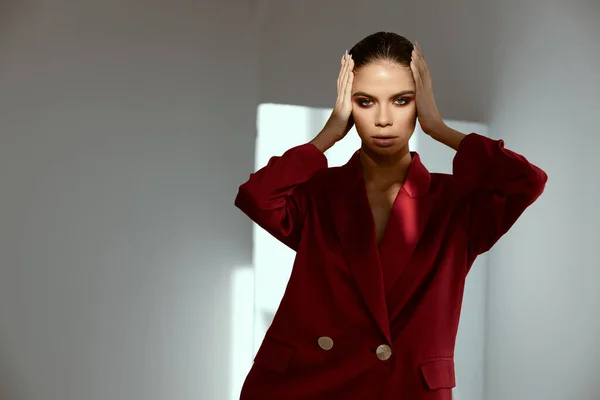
(274, 196)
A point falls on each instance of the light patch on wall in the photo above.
(242, 327)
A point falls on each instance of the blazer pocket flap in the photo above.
(274, 355)
(438, 374)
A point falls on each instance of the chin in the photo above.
(386, 150)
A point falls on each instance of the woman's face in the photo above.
(383, 106)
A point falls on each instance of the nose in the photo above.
(383, 117)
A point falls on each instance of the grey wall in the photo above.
(125, 129)
(544, 323)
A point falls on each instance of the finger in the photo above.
(417, 56)
(419, 63)
(424, 68)
(418, 81)
(347, 96)
(339, 79)
(350, 79)
(349, 67)
(344, 73)
(420, 54)
(348, 62)
(343, 63)
(416, 74)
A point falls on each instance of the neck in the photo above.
(384, 171)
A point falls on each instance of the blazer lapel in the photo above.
(408, 219)
(355, 228)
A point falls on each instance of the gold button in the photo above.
(325, 342)
(384, 352)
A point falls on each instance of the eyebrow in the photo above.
(404, 93)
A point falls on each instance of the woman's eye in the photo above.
(367, 103)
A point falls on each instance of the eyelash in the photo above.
(362, 101)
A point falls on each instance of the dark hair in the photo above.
(382, 46)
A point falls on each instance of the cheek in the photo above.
(360, 115)
(408, 114)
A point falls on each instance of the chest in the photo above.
(381, 203)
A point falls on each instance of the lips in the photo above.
(384, 140)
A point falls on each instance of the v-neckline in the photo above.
(379, 243)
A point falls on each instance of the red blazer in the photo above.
(360, 321)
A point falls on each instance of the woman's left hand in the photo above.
(427, 112)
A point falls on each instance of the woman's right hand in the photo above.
(340, 121)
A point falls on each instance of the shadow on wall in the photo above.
(9, 9)
(267, 317)
(9, 12)
(10, 386)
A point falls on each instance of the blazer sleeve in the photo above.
(273, 197)
(497, 185)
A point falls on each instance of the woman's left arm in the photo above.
(496, 185)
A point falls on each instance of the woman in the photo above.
(382, 246)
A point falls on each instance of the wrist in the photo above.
(437, 130)
(448, 136)
(323, 142)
